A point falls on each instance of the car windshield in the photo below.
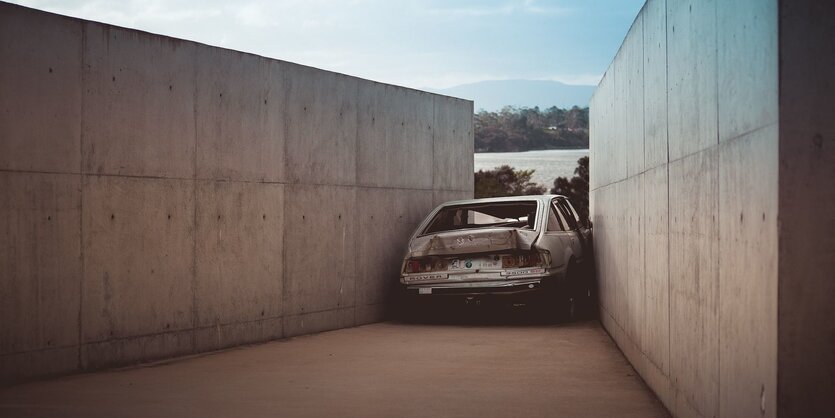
(483, 215)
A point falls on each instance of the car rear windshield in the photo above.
(483, 215)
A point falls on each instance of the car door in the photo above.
(557, 237)
(574, 235)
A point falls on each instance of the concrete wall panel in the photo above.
(321, 126)
(694, 286)
(747, 61)
(138, 252)
(320, 244)
(633, 243)
(38, 134)
(655, 83)
(387, 114)
(691, 76)
(239, 120)
(453, 133)
(748, 274)
(634, 100)
(239, 243)
(657, 267)
(40, 258)
(138, 116)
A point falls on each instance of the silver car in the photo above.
(521, 249)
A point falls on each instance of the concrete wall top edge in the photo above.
(109, 26)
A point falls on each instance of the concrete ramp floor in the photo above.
(385, 369)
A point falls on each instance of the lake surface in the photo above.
(549, 164)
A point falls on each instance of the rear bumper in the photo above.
(498, 288)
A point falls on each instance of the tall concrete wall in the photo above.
(709, 195)
(684, 160)
(162, 197)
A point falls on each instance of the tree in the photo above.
(522, 129)
(505, 181)
(576, 189)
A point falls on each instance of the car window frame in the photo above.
(573, 224)
(552, 210)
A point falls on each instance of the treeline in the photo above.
(523, 129)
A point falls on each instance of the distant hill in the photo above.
(493, 95)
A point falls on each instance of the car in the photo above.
(520, 250)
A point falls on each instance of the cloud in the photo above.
(252, 14)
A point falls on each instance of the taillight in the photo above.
(531, 259)
(425, 265)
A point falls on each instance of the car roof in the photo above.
(546, 198)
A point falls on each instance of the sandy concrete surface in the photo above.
(385, 369)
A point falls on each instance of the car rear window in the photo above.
(483, 215)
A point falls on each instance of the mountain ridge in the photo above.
(493, 95)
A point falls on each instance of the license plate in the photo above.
(475, 263)
(425, 291)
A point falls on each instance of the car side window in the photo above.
(554, 222)
(567, 214)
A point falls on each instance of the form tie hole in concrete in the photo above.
(48, 218)
(167, 326)
(114, 78)
(740, 217)
(305, 108)
(221, 94)
(817, 140)
(265, 101)
(262, 312)
(302, 216)
(264, 217)
(340, 216)
(763, 216)
(170, 88)
(112, 216)
(50, 70)
(169, 216)
(218, 217)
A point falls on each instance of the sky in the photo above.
(414, 43)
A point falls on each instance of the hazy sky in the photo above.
(429, 43)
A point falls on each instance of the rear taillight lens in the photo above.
(424, 265)
(532, 259)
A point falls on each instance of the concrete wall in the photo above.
(711, 169)
(162, 197)
(684, 171)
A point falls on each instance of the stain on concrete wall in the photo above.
(163, 197)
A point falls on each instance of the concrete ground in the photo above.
(470, 368)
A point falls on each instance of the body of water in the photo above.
(549, 164)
